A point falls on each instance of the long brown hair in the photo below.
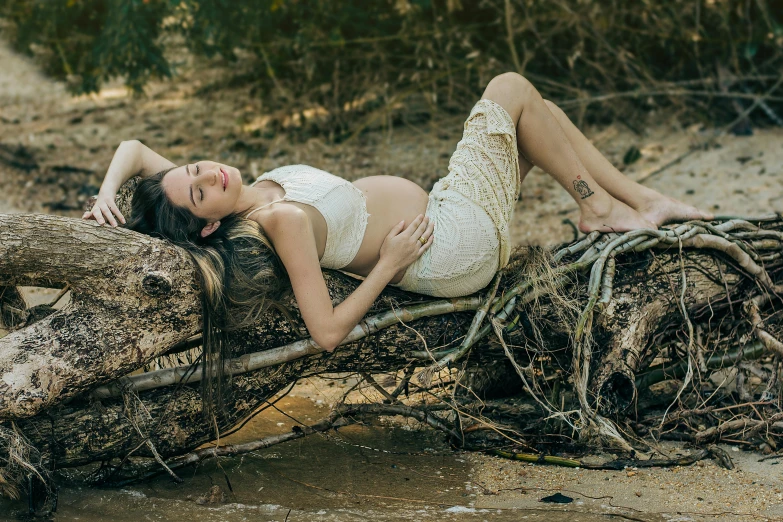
(240, 272)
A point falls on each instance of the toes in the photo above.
(695, 213)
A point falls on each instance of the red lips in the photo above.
(225, 178)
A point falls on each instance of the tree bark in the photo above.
(132, 297)
(641, 313)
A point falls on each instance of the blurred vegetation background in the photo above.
(601, 59)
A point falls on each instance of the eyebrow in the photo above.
(190, 188)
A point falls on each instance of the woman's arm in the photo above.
(132, 158)
(291, 232)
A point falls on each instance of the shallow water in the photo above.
(360, 473)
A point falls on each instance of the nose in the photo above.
(211, 177)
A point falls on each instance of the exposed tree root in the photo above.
(712, 451)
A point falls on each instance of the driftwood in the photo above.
(65, 384)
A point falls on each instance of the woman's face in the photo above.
(209, 190)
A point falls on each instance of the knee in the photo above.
(557, 111)
(512, 82)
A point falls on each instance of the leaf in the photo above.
(632, 155)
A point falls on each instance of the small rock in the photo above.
(637, 493)
(557, 498)
(631, 473)
(215, 495)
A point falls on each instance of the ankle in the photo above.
(597, 204)
(643, 198)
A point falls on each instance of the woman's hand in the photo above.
(105, 210)
(132, 158)
(402, 247)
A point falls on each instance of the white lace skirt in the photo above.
(471, 208)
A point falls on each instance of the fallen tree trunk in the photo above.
(132, 297)
(135, 298)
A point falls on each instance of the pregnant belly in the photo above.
(389, 200)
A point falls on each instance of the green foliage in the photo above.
(340, 53)
(90, 41)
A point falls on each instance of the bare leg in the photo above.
(524, 168)
(649, 203)
(542, 141)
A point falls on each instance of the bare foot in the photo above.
(663, 209)
(615, 216)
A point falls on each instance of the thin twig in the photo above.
(369, 378)
(425, 376)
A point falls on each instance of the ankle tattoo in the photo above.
(582, 188)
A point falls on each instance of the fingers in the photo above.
(428, 235)
(108, 216)
(426, 245)
(116, 211)
(97, 213)
(422, 227)
(396, 229)
(105, 211)
(413, 227)
(428, 231)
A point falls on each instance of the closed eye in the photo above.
(200, 192)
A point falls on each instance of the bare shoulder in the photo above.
(284, 223)
(291, 233)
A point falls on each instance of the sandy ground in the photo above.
(72, 141)
(705, 491)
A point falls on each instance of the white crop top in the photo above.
(343, 206)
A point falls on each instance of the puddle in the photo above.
(359, 473)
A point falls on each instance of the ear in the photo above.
(207, 230)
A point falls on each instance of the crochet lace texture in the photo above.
(472, 208)
(342, 204)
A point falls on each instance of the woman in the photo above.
(295, 220)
